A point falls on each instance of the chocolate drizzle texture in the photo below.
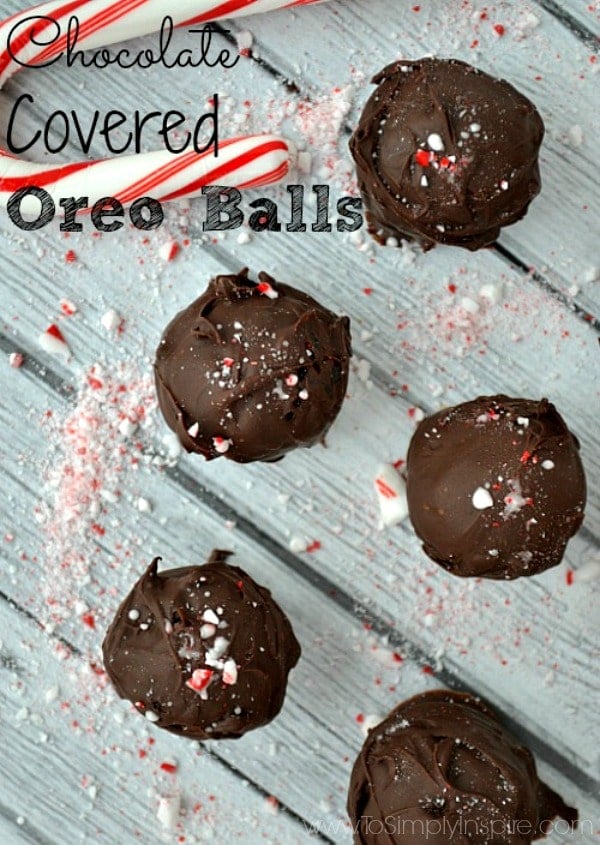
(442, 769)
(202, 651)
(251, 371)
(445, 154)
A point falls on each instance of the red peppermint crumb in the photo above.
(239, 585)
(452, 287)
(70, 256)
(360, 718)
(171, 768)
(367, 291)
(67, 307)
(141, 753)
(397, 658)
(94, 383)
(499, 29)
(427, 670)
(525, 456)
(569, 577)
(88, 619)
(314, 547)
(423, 158)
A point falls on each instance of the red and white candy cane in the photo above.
(242, 162)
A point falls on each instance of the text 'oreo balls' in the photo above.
(445, 154)
(495, 487)
(251, 371)
(202, 651)
(442, 769)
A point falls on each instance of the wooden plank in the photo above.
(345, 669)
(386, 572)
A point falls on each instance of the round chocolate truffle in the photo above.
(251, 371)
(202, 651)
(442, 769)
(495, 487)
(445, 154)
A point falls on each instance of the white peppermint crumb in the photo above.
(435, 142)
(244, 40)
(20, 820)
(193, 430)
(524, 421)
(51, 694)
(469, 305)
(592, 274)
(297, 545)
(243, 238)
(271, 805)
(110, 320)
(391, 495)
(588, 571)
(151, 716)
(475, 127)
(371, 721)
(169, 807)
(127, 427)
(133, 615)
(575, 135)
(548, 464)
(143, 505)
(482, 499)
(492, 292)
(172, 445)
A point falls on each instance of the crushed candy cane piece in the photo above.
(222, 444)
(15, 359)
(169, 250)
(111, 320)
(169, 807)
(267, 290)
(53, 342)
(391, 493)
(230, 672)
(200, 679)
(482, 499)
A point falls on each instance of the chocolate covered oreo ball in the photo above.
(251, 371)
(445, 154)
(495, 487)
(202, 651)
(441, 769)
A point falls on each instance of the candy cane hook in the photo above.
(242, 162)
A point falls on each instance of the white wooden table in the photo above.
(378, 622)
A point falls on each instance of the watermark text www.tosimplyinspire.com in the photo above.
(447, 830)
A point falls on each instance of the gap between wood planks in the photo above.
(506, 255)
(256, 787)
(343, 600)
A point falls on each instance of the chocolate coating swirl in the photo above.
(441, 769)
(202, 651)
(445, 154)
(251, 371)
(495, 487)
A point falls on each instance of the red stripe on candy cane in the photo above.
(258, 161)
(38, 26)
(89, 27)
(43, 178)
(213, 176)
